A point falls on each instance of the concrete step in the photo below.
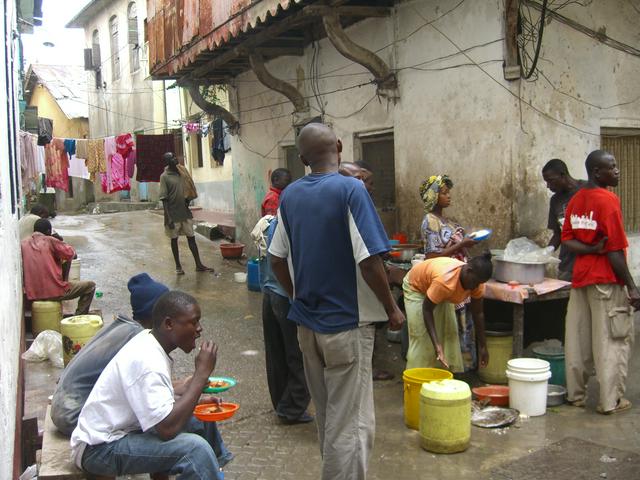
(115, 207)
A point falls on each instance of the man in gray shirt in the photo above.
(178, 219)
(556, 175)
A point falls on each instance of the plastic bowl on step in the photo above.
(231, 250)
(498, 395)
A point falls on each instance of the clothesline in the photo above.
(48, 161)
(110, 160)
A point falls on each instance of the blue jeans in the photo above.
(192, 454)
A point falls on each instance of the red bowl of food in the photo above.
(498, 395)
(212, 412)
(231, 250)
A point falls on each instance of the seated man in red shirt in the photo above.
(42, 257)
(280, 178)
(599, 323)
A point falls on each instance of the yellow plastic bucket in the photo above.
(45, 316)
(413, 379)
(499, 346)
(445, 416)
(76, 332)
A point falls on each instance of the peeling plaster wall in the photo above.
(452, 116)
(10, 268)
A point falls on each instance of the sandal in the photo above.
(623, 404)
(204, 269)
(577, 403)
(179, 271)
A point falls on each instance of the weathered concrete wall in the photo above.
(214, 182)
(130, 104)
(10, 266)
(456, 114)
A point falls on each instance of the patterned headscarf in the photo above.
(430, 189)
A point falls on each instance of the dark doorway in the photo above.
(378, 152)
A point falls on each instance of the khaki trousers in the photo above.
(599, 333)
(83, 291)
(338, 371)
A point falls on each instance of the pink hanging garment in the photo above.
(109, 151)
(119, 177)
(125, 146)
(57, 165)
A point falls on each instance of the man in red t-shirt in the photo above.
(599, 323)
(280, 178)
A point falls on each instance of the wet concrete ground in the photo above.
(113, 247)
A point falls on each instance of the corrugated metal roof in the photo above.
(66, 83)
(176, 37)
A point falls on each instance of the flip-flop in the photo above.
(578, 403)
(623, 404)
(205, 269)
(179, 271)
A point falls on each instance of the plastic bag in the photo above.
(524, 250)
(30, 473)
(46, 346)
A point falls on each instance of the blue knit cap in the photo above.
(145, 292)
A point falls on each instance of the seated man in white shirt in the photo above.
(131, 422)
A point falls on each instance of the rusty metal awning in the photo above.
(186, 34)
(210, 41)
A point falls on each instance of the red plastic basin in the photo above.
(498, 395)
(231, 250)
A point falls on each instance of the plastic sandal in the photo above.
(623, 404)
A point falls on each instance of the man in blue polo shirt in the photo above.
(326, 255)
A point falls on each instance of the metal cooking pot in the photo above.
(525, 273)
(404, 252)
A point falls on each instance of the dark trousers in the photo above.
(285, 372)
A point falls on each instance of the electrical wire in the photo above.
(517, 96)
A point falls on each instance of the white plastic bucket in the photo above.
(528, 365)
(74, 271)
(528, 389)
(240, 277)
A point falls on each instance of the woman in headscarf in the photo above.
(443, 237)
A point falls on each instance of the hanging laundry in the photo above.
(109, 151)
(221, 141)
(70, 147)
(205, 130)
(40, 161)
(150, 149)
(28, 156)
(81, 148)
(125, 146)
(117, 178)
(78, 168)
(96, 162)
(131, 163)
(45, 131)
(192, 127)
(57, 165)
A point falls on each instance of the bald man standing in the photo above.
(328, 244)
(599, 323)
